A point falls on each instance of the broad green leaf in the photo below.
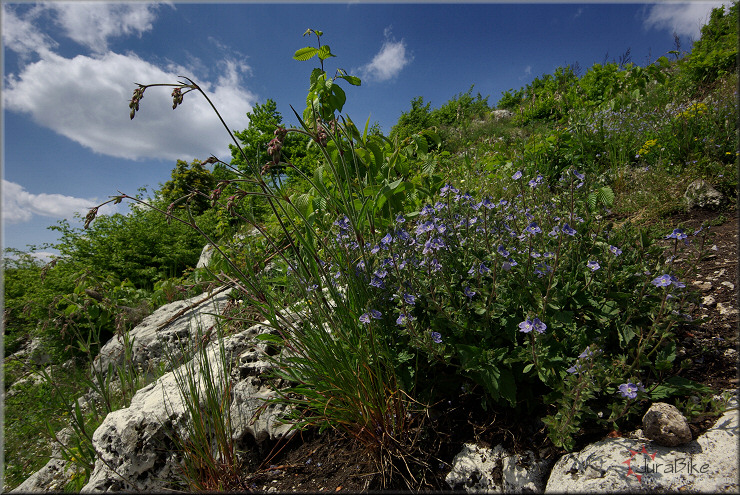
(325, 52)
(305, 53)
(678, 385)
(507, 386)
(354, 81)
(339, 97)
(268, 337)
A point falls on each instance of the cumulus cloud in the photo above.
(19, 205)
(92, 24)
(388, 62)
(685, 19)
(21, 36)
(85, 98)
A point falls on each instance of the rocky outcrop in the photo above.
(136, 446)
(501, 114)
(481, 469)
(707, 464)
(167, 334)
(701, 194)
(665, 425)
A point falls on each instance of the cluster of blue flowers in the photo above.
(450, 230)
(456, 251)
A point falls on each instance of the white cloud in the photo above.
(21, 36)
(388, 62)
(685, 19)
(91, 24)
(86, 100)
(20, 206)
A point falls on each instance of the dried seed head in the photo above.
(90, 216)
(176, 97)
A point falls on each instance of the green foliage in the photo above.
(141, 247)
(451, 121)
(417, 119)
(715, 53)
(186, 180)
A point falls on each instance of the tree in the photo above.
(254, 140)
(187, 179)
(415, 120)
(715, 53)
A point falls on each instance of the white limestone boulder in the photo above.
(701, 194)
(707, 464)
(163, 336)
(136, 446)
(481, 469)
(665, 425)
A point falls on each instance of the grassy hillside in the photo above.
(502, 254)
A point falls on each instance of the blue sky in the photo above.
(69, 70)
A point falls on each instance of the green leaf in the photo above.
(325, 52)
(305, 53)
(606, 196)
(354, 81)
(507, 386)
(337, 98)
(678, 385)
(528, 367)
(268, 337)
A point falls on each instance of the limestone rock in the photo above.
(205, 256)
(55, 475)
(163, 336)
(501, 114)
(701, 194)
(135, 444)
(707, 464)
(480, 469)
(665, 425)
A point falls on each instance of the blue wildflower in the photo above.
(628, 390)
(517, 175)
(676, 234)
(538, 325)
(437, 337)
(615, 250)
(526, 326)
(469, 292)
(568, 229)
(427, 210)
(533, 228)
(662, 281)
(593, 265)
(403, 318)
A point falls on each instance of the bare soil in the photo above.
(331, 462)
